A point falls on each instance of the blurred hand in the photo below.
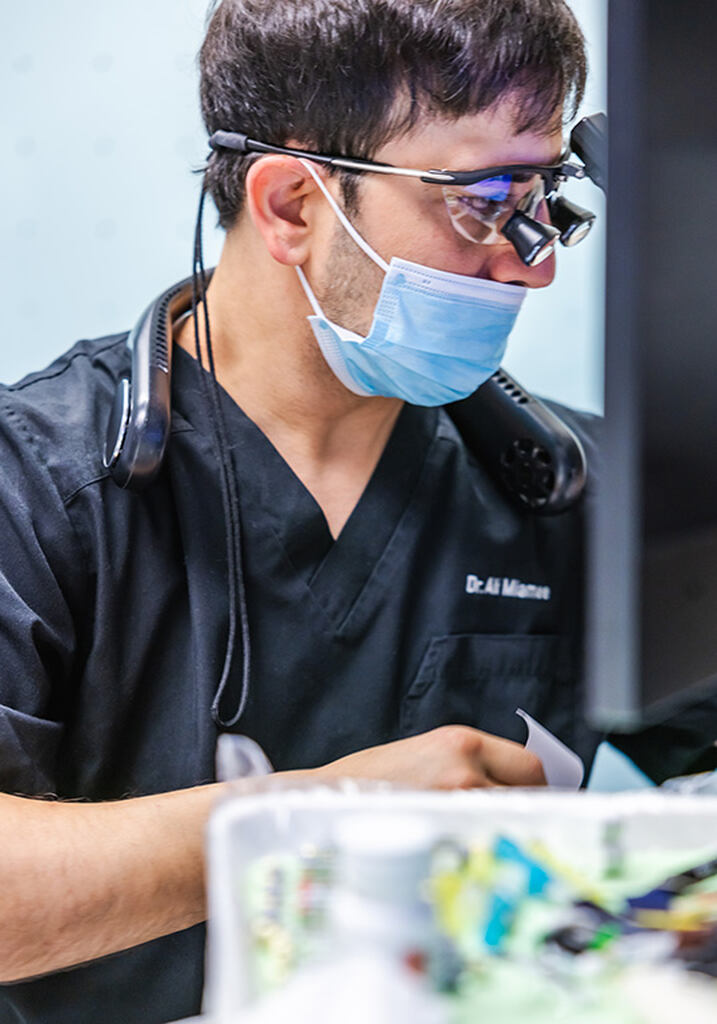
(450, 757)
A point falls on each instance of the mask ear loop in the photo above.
(309, 292)
(345, 222)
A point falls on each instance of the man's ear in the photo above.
(277, 190)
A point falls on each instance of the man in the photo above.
(361, 510)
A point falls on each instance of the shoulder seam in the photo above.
(37, 377)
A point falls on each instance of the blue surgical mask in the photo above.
(435, 337)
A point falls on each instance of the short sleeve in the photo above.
(40, 562)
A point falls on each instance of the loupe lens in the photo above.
(531, 239)
(576, 234)
(571, 220)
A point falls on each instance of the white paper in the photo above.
(562, 766)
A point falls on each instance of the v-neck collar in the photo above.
(271, 495)
(354, 557)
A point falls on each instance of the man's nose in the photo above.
(505, 265)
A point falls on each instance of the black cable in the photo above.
(230, 497)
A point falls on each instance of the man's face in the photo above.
(409, 219)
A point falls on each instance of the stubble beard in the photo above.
(347, 290)
(350, 284)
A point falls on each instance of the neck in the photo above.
(268, 360)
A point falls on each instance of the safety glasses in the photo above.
(505, 203)
(484, 206)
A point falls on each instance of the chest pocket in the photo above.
(480, 680)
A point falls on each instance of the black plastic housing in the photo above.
(138, 428)
(526, 447)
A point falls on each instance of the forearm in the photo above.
(79, 881)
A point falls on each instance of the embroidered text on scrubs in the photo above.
(497, 586)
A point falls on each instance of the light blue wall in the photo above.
(101, 131)
(102, 123)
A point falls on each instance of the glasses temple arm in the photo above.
(240, 143)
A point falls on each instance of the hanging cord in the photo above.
(230, 497)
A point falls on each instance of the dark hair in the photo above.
(345, 76)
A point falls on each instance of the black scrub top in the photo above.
(440, 602)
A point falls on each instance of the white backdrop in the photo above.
(101, 131)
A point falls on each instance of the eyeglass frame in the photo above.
(552, 174)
